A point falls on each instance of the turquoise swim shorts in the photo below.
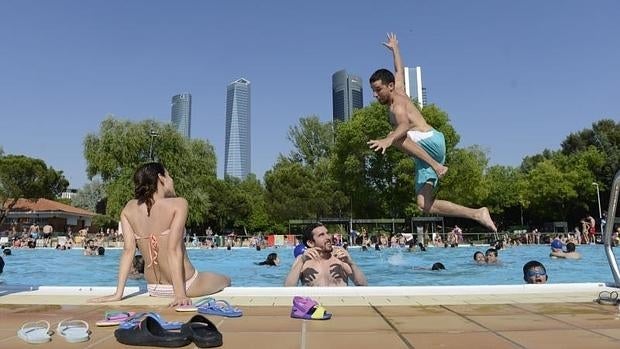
(434, 143)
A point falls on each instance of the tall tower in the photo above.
(181, 114)
(414, 87)
(237, 149)
(347, 95)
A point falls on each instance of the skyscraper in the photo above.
(181, 114)
(347, 95)
(237, 149)
(414, 87)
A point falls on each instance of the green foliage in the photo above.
(121, 146)
(104, 222)
(465, 183)
(90, 194)
(312, 140)
(28, 178)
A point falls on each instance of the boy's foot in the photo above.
(484, 218)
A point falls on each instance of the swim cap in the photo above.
(299, 249)
(556, 244)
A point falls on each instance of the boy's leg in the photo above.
(429, 204)
(413, 149)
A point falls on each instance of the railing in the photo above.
(611, 214)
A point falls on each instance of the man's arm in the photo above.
(399, 71)
(357, 275)
(293, 276)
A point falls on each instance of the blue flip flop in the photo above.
(137, 318)
(220, 307)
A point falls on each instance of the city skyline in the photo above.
(512, 80)
(238, 151)
(347, 95)
(181, 113)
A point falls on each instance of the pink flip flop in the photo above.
(114, 318)
(308, 309)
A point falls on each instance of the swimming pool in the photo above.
(388, 267)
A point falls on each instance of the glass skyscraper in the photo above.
(237, 149)
(181, 114)
(347, 95)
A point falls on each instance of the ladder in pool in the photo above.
(609, 227)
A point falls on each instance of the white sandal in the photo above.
(36, 332)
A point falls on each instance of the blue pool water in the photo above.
(389, 267)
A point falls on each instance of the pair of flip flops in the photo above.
(212, 306)
(37, 332)
(149, 332)
(128, 319)
(607, 298)
(308, 309)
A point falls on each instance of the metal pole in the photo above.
(152, 134)
(598, 197)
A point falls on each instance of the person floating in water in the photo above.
(414, 136)
(155, 222)
(272, 260)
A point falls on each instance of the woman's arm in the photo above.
(176, 252)
(129, 250)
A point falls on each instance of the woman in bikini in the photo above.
(155, 222)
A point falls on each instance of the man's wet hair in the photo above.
(570, 247)
(307, 234)
(384, 75)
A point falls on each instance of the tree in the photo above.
(312, 140)
(90, 194)
(464, 183)
(27, 178)
(121, 146)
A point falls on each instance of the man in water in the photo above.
(535, 273)
(323, 265)
(413, 135)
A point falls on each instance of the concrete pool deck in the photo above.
(517, 316)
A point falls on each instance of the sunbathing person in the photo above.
(323, 265)
(155, 222)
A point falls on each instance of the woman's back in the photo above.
(154, 233)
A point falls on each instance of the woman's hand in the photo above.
(110, 298)
(180, 301)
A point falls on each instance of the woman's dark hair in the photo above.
(271, 260)
(145, 182)
(438, 266)
(138, 263)
(478, 252)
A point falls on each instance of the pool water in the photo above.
(388, 267)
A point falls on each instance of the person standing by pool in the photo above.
(323, 265)
(534, 272)
(414, 136)
(155, 221)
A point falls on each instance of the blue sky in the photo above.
(516, 77)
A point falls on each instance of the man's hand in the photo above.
(380, 144)
(310, 253)
(343, 255)
(392, 42)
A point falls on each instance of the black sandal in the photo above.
(202, 332)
